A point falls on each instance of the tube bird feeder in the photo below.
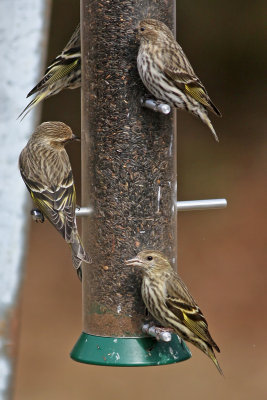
(128, 183)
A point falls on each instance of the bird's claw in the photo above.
(37, 215)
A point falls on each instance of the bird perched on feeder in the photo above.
(167, 73)
(63, 73)
(46, 170)
(170, 303)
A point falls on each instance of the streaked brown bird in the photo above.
(63, 73)
(167, 73)
(46, 170)
(170, 303)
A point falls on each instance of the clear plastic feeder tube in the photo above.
(128, 167)
(129, 185)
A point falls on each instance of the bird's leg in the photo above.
(160, 333)
(148, 101)
(37, 215)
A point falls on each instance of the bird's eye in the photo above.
(142, 29)
(149, 258)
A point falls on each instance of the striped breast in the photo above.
(154, 298)
(160, 86)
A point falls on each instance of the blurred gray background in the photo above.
(222, 256)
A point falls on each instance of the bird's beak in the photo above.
(74, 137)
(133, 261)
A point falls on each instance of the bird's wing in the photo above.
(64, 72)
(60, 75)
(57, 203)
(62, 67)
(181, 304)
(179, 70)
(68, 61)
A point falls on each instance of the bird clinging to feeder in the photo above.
(167, 73)
(46, 170)
(170, 303)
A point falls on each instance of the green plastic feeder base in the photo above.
(128, 352)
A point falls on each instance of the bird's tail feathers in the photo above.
(211, 355)
(208, 350)
(78, 252)
(204, 117)
(32, 104)
(80, 273)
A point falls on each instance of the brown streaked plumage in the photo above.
(170, 303)
(46, 170)
(63, 73)
(167, 73)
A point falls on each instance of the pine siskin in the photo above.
(167, 73)
(46, 170)
(170, 303)
(63, 73)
